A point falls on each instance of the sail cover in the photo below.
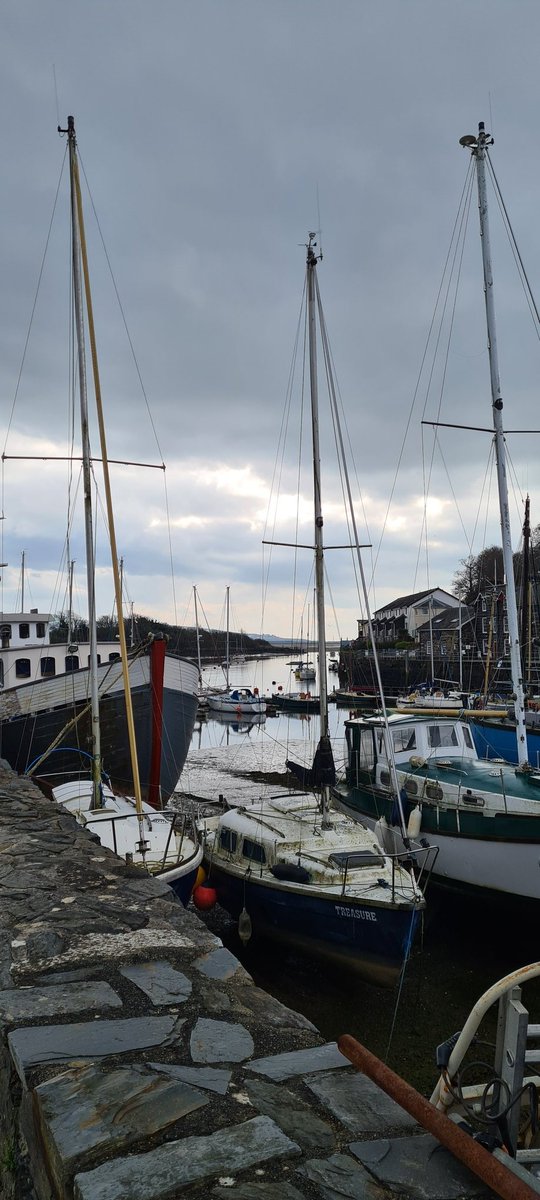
(323, 771)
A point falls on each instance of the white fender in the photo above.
(415, 822)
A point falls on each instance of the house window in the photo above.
(227, 840)
(40, 629)
(254, 851)
(24, 630)
(22, 668)
(47, 667)
(72, 662)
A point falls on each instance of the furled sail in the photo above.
(323, 771)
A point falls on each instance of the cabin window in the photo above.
(366, 753)
(22, 668)
(442, 735)
(1, 673)
(40, 629)
(434, 791)
(114, 657)
(24, 630)
(227, 840)
(253, 850)
(385, 778)
(72, 662)
(47, 666)
(5, 634)
(404, 739)
(411, 787)
(98, 656)
(467, 737)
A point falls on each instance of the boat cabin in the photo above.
(414, 742)
(27, 653)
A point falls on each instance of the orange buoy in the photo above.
(204, 897)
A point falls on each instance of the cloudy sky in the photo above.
(213, 134)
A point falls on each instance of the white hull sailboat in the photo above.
(484, 816)
(293, 868)
(129, 826)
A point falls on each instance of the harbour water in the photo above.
(464, 947)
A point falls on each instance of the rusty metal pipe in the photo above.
(499, 1178)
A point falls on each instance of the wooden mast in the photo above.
(81, 255)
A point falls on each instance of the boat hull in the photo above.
(505, 864)
(371, 940)
(493, 739)
(27, 736)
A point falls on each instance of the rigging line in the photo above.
(517, 490)
(169, 539)
(335, 395)
(453, 275)
(275, 486)
(451, 486)
(38, 285)
(122, 313)
(467, 184)
(515, 248)
(331, 375)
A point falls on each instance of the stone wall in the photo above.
(138, 1060)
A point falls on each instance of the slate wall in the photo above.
(138, 1061)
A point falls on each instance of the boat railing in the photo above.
(418, 863)
(113, 819)
(499, 1101)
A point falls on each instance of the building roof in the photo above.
(408, 601)
(449, 619)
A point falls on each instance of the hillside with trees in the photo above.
(181, 639)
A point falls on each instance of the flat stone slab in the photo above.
(340, 1178)
(89, 1111)
(86, 1039)
(296, 1118)
(420, 1166)
(299, 1062)
(162, 1173)
(160, 981)
(212, 1079)
(359, 1104)
(220, 1041)
(57, 999)
(104, 947)
(220, 964)
(277, 1190)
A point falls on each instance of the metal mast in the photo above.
(311, 268)
(479, 150)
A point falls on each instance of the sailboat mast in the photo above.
(228, 646)
(197, 633)
(525, 586)
(312, 259)
(87, 473)
(479, 150)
